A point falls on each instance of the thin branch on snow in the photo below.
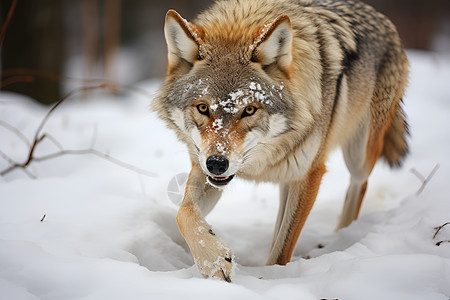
(54, 141)
(418, 175)
(12, 162)
(424, 180)
(440, 242)
(16, 131)
(97, 154)
(7, 158)
(437, 231)
(39, 137)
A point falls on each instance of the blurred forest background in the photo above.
(123, 41)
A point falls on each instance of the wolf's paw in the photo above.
(214, 260)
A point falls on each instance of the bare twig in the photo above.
(15, 131)
(424, 180)
(98, 154)
(440, 242)
(13, 163)
(42, 220)
(439, 229)
(54, 141)
(39, 137)
(26, 171)
(418, 175)
(70, 94)
(7, 158)
(31, 175)
(8, 19)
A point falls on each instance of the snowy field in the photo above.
(110, 232)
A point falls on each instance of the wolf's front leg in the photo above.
(212, 256)
(294, 209)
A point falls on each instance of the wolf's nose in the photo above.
(217, 165)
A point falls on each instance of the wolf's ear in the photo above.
(273, 44)
(183, 39)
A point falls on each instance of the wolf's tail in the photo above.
(395, 146)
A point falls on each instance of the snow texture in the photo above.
(109, 233)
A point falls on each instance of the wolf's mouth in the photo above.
(220, 181)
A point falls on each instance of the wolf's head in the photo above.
(225, 92)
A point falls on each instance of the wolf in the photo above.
(264, 90)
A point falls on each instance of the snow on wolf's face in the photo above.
(225, 128)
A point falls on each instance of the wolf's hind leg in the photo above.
(382, 131)
(360, 155)
(355, 157)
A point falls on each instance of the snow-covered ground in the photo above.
(110, 233)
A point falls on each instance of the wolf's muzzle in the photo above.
(220, 181)
(217, 165)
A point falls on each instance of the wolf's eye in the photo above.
(203, 109)
(249, 111)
